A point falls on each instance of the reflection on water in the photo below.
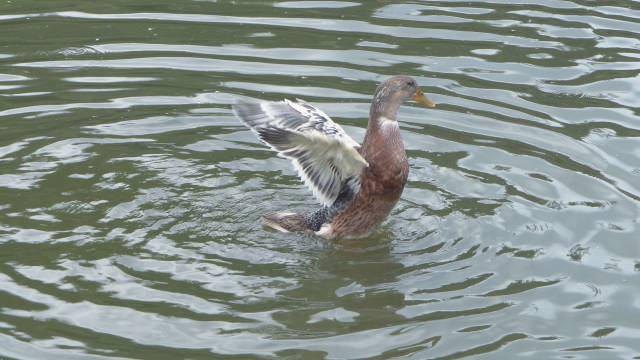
(130, 196)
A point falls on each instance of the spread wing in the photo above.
(324, 155)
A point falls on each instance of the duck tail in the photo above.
(284, 221)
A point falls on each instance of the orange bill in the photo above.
(421, 99)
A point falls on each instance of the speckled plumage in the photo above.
(358, 186)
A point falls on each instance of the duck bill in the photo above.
(421, 99)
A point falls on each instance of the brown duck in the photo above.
(358, 186)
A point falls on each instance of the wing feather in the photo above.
(320, 150)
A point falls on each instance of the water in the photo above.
(130, 197)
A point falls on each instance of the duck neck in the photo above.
(382, 117)
(384, 105)
(383, 133)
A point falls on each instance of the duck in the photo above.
(357, 185)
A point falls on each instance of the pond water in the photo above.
(130, 196)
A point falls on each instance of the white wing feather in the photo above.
(321, 151)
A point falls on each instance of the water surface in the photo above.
(130, 197)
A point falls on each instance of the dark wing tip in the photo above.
(279, 138)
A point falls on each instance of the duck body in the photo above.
(358, 185)
(381, 183)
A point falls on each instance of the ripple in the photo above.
(131, 196)
(316, 4)
(320, 24)
(107, 79)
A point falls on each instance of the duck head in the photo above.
(392, 93)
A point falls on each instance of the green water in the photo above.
(130, 196)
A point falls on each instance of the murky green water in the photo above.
(130, 196)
